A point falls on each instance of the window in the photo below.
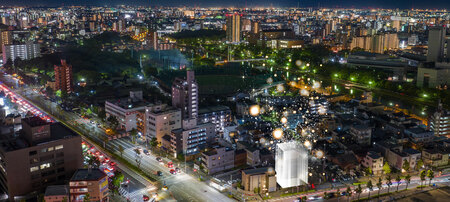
(34, 168)
(31, 153)
(34, 160)
(50, 149)
(44, 150)
(45, 165)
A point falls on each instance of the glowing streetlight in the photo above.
(319, 154)
(307, 144)
(277, 133)
(254, 110)
(269, 80)
(284, 120)
(304, 92)
(280, 88)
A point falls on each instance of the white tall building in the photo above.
(26, 51)
(291, 164)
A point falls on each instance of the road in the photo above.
(415, 181)
(182, 187)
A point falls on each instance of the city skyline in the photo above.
(401, 4)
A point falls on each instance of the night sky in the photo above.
(434, 4)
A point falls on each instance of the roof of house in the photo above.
(88, 175)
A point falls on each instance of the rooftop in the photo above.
(57, 190)
(205, 110)
(88, 175)
(256, 171)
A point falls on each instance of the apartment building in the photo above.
(373, 161)
(43, 154)
(160, 120)
(89, 181)
(218, 159)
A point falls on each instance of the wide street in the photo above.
(415, 181)
(182, 187)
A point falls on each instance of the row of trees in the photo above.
(388, 182)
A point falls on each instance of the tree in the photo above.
(87, 198)
(370, 186)
(101, 114)
(256, 190)
(338, 194)
(430, 175)
(408, 180)
(423, 174)
(388, 182)
(138, 157)
(398, 179)
(118, 178)
(386, 168)
(349, 193)
(325, 195)
(406, 165)
(153, 142)
(419, 164)
(379, 185)
(238, 184)
(358, 190)
(121, 150)
(368, 171)
(133, 134)
(64, 199)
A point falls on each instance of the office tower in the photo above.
(291, 164)
(233, 27)
(185, 95)
(44, 154)
(63, 77)
(25, 51)
(439, 122)
(436, 42)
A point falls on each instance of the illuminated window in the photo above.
(59, 147)
(50, 149)
(34, 168)
(45, 165)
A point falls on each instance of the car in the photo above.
(170, 164)
(159, 159)
(145, 198)
(146, 152)
(159, 173)
(173, 172)
(178, 170)
(164, 188)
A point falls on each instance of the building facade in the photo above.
(185, 95)
(233, 27)
(263, 179)
(291, 164)
(25, 51)
(89, 181)
(49, 154)
(218, 159)
(161, 120)
(63, 77)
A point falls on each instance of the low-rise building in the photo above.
(263, 179)
(218, 115)
(434, 157)
(89, 181)
(191, 141)
(160, 120)
(373, 161)
(362, 134)
(56, 193)
(419, 135)
(218, 159)
(396, 158)
(126, 110)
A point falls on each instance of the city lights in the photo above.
(277, 133)
(254, 110)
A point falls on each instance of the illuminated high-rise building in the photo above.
(185, 95)
(233, 27)
(291, 164)
(63, 77)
